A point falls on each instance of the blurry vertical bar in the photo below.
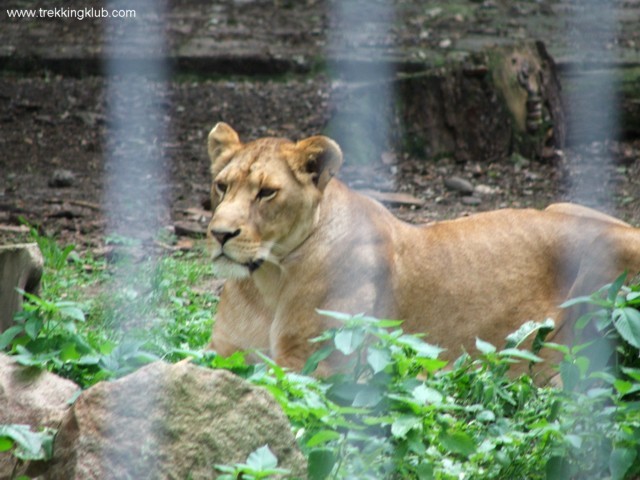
(362, 74)
(592, 102)
(136, 72)
(362, 96)
(594, 117)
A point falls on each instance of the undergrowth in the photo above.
(400, 411)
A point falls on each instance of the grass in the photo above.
(399, 413)
(95, 320)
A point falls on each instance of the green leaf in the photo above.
(322, 437)
(425, 471)
(32, 327)
(72, 311)
(576, 301)
(458, 442)
(558, 468)
(69, 352)
(545, 328)
(262, 459)
(316, 357)
(90, 359)
(378, 359)
(520, 354)
(389, 323)
(632, 296)
(403, 424)
(425, 395)
(486, 416)
(8, 335)
(30, 445)
(432, 365)
(622, 386)
(349, 340)
(627, 322)
(343, 317)
(519, 336)
(421, 348)
(570, 375)
(574, 440)
(615, 287)
(368, 396)
(634, 373)
(484, 347)
(620, 461)
(320, 463)
(5, 443)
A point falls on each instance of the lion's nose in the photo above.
(224, 235)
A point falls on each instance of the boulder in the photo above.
(170, 421)
(30, 396)
(20, 267)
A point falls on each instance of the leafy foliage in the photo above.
(401, 412)
(26, 444)
(261, 464)
(396, 411)
(113, 330)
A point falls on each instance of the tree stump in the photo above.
(498, 101)
(482, 108)
(20, 268)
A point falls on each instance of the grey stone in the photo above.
(459, 185)
(20, 268)
(30, 396)
(61, 178)
(471, 201)
(486, 190)
(170, 421)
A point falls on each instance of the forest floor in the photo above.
(260, 66)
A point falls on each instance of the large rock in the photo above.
(30, 396)
(168, 422)
(20, 267)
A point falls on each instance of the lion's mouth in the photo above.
(251, 265)
(254, 265)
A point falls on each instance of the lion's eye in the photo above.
(267, 193)
(221, 188)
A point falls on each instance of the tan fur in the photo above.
(315, 244)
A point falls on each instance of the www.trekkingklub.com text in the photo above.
(65, 12)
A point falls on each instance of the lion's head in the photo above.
(264, 196)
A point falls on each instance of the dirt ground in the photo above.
(55, 127)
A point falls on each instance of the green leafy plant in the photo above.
(26, 445)
(260, 464)
(55, 255)
(397, 410)
(608, 334)
(601, 382)
(109, 333)
(48, 335)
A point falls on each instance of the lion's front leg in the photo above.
(292, 346)
(242, 322)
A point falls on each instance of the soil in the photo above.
(55, 119)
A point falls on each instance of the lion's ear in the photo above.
(221, 139)
(320, 157)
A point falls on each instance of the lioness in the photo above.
(290, 239)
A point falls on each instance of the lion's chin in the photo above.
(223, 267)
